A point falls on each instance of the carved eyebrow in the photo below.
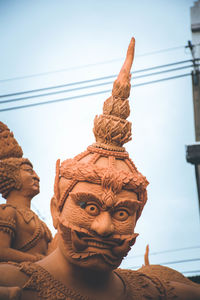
(131, 204)
(27, 168)
(84, 197)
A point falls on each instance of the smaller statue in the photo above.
(23, 236)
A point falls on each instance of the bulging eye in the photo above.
(121, 215)
(92, 209)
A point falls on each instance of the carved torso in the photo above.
(28, 233)
(37, 283)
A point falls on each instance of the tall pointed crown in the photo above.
(106, 162)
(111, 129)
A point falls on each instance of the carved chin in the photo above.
(82, 247)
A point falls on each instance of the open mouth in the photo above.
(98, 243)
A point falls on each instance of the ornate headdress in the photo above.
(10, 161)
(106, 162)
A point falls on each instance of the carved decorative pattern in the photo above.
(116, 107)
(8, 226)
(77, 171)
(121, 87)
(69, 187)
(137, 285)
(111, 130)
(46, 285)
(40, 227)
(81, 155)
(8, 144)
(95, 149)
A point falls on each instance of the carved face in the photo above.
(96, 226)
(30, 181)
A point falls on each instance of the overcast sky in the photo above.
(84, 40)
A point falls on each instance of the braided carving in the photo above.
(71, 169)
(77, 171)
(122, 86)
(8, 144)
(104, 152)
(116, 107)
(8, 226)
(111, 130)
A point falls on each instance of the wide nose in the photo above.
(102, 224)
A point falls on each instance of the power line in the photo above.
(160, 51)
(166, 251)
(162, 79)
(54, 101)
(179, 261)
(89, 94)
(92, 86)
(96, 79)
(172, 262)
(88, 65)
(38, 212)
(193, 271)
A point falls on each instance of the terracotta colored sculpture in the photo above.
(23, 236)
(99, 196)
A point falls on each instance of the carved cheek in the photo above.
(77, 216)
(125, 227)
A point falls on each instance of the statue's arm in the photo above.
(175, 283)
(10, 293)
(10, 282)
(9, 254)
(8, 229)
(185, 291)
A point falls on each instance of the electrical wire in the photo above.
(89, 94)
(89, 65)
(96, 79)
(166, 251)
(38, 212)
(172, 262)
(193, 271)
(91, 86)
(161, 51)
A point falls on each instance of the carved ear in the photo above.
(54, 211)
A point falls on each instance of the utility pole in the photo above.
(193, 151)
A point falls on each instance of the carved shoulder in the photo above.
(140, 286)
(8, 219)
(165, 274)
(185, 291)
(175, 283)
(6, 211)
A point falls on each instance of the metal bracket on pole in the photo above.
(193, 157)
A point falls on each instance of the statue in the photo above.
(23, 236)
(98, 197)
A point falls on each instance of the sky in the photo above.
(49, 43)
